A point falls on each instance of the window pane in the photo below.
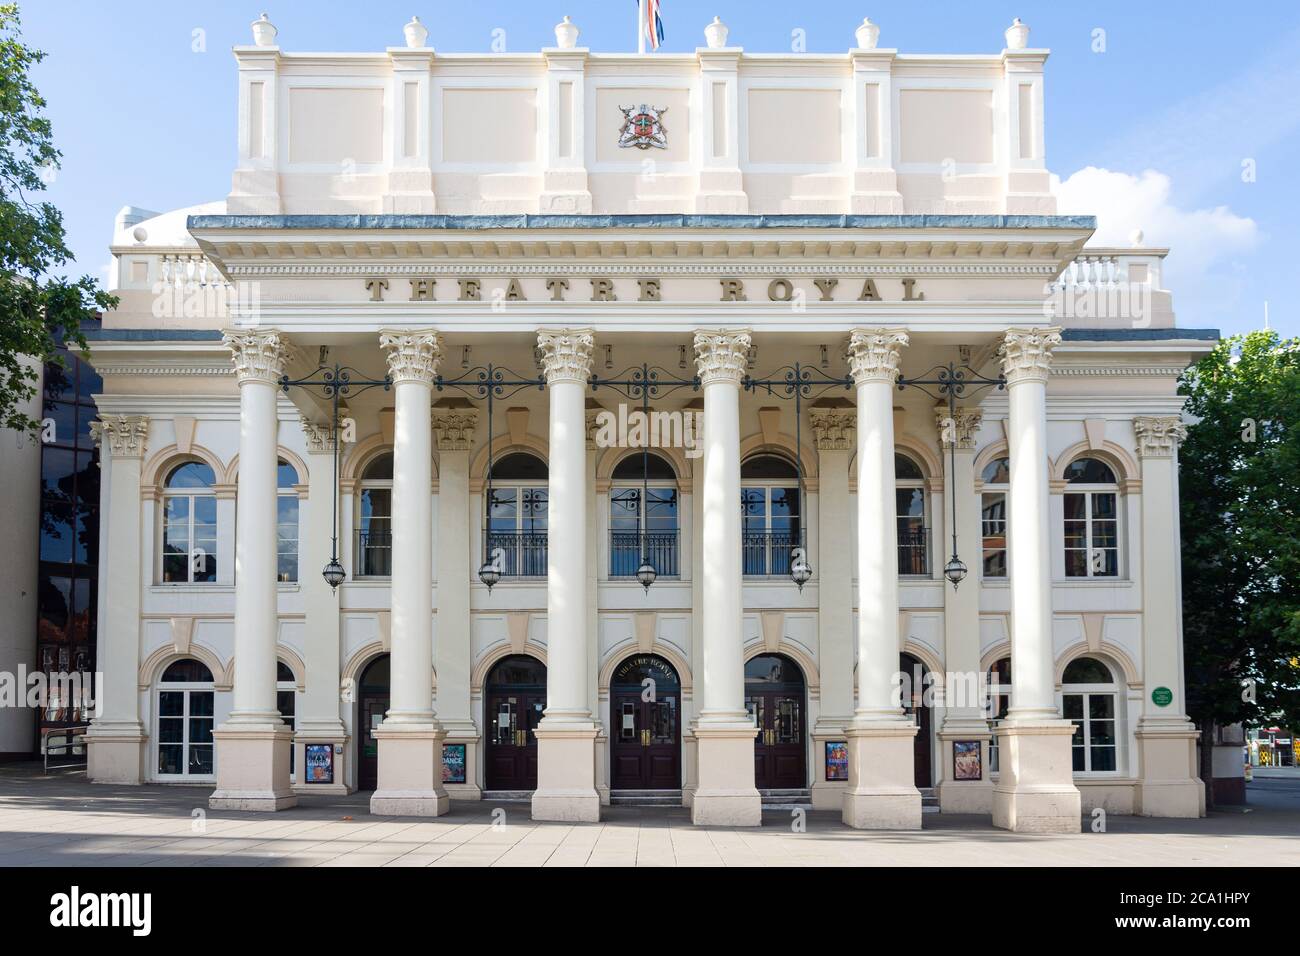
(1101, 707)
(785, 502)
(995, 564)
(170, 730)
(1103, 758)
(1078, 759)
(503, 511)
(1076, 564)
(170, 758)
(911, 502)
(57, 469)
(201, 759)
(201, 703)
(1103, 505)
(192, 474)
(1104, 534)
(1075, 506)
(1072, 706)
(200, 730)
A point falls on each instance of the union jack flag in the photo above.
(653, 24)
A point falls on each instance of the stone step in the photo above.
(645, 798)
(929, 800)
(800, 798)
(508, 796)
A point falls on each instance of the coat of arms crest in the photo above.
(643, 127)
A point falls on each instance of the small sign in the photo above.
(1162, 697)
(837, 760)
(320, 763)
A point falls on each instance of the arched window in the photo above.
(189, 534)
(375, 518)
(516, 515)
(1089, 698)
(999, 702)
(772, 525)
(656, 518)
(286, 691)
(993, 516)
(186, 714)
(913, 528)
(1091, 520)
(286, 526)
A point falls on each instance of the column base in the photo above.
(410, 771)
(1169, 786)
(253, 768)
(336, 737)
(725, 795)
(115, 752)
(1035, 791)
(566, 772)
(827, 794)
(464, 732)
(882, 792)
(965, 796)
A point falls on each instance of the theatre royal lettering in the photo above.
(644, 289)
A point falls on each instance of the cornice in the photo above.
(640, 266)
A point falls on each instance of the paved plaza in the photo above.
(61, 820)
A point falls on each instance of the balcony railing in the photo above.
(374, 554)
(625, 553)
(523, 552)
(914, 551)
(767, 553)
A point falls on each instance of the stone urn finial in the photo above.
(1136, 238)
(416, 33)
(566, 34)
(1017, 35)
(264, 31)
(868, 33)
(715, 34)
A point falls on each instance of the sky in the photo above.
(1178, 119)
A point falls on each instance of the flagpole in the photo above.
(640, 26)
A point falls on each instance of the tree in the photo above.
(1239, 490)
(38, 310)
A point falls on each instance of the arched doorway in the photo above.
(372, 705)
(916, 707)
(775, 696)
(645, 708)
(514, 697)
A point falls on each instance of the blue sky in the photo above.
(1175, 106)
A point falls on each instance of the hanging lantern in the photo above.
(955, 570)
(334, 574)
(489, 574)
(800, 569)
(646, 574)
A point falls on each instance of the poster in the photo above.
(320, 763)
(837, 760)
(453, 763)
(966, 760)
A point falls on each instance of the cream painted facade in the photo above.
(867, 215)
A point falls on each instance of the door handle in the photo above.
(645, 738)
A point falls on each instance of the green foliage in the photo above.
(1240, 506)
(37, 309)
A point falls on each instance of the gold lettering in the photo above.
(869, 292)
(557, 288)
(780, 290)
(515, 292)
(376, 288)
(470, 290)
(908, 285)
(733, 290)
(602, 290)
(827, 287)
(422, 289)
(650, 290)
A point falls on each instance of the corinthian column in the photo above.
(253, 744)
(1166, 738)
(882, 792)
(725, 793)
(566, 735)
(1035, 790)
(116, 737)
(410, 738)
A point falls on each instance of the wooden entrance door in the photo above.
(915, 706)
(372, 705)
(645, 736)
(514, 702)
(774, 697)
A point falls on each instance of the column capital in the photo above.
(566, 354)
(721, 354)
(259, 355)
(874, 354)
(413, 354)
(960, 428)
(1158, 436)
(126, 434)
(1026, 354)
(454, 431)
(833, 428)
(319, 438)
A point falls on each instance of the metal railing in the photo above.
(72, 737)
(914, 551)
(625, 553)
(767, 553)
(523, 552)
(374, 555)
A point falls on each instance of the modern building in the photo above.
(500, 261)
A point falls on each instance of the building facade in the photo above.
(511, 335)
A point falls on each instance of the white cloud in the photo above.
(1124, 203)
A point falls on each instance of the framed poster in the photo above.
(320, 763)
(837, 760)
(453, 763)
(966, 760)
